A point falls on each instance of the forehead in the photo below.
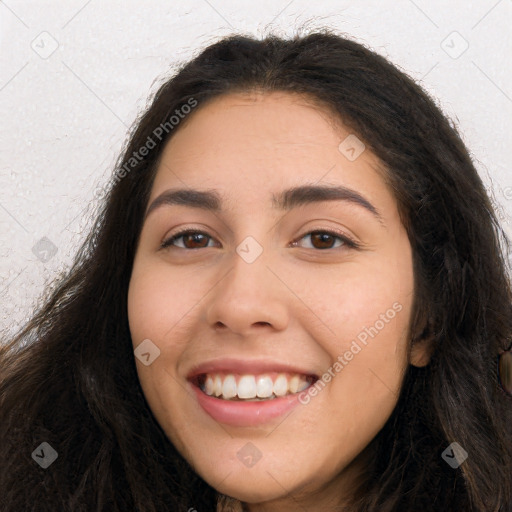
(259, 118)
(255, 144)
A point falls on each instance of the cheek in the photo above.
(155, 312)
(157, 301)
(367, 312)
(361, 303)
(372, 357)
(161, 308)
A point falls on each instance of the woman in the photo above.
(294, 298)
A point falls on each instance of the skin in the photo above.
(302, 305)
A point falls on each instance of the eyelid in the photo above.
(347, 240)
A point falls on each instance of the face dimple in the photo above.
(343, 312)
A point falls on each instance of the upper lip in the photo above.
(246, 366)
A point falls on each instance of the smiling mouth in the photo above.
(252, 387)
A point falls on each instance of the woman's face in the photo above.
(285, 283)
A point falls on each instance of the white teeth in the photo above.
(247, 387)
(281, 385)
(229, 387)
(294, 384)
(264, 386)
(217, 385)
(209, 387)
(253, 387)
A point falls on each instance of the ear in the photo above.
(421, 352)
(422, 348)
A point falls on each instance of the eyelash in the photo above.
(347, 242)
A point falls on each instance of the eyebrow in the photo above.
(210, 200)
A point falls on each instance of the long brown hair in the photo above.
(68, 378)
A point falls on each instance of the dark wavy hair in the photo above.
(68, 377)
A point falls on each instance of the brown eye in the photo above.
(324, 240)
(190, 240)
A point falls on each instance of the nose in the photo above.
(249, 297)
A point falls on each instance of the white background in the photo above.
(64, 115)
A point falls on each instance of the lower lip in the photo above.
(245, 414)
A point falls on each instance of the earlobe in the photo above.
(422, 338)
(422, 346)
(421, 352)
